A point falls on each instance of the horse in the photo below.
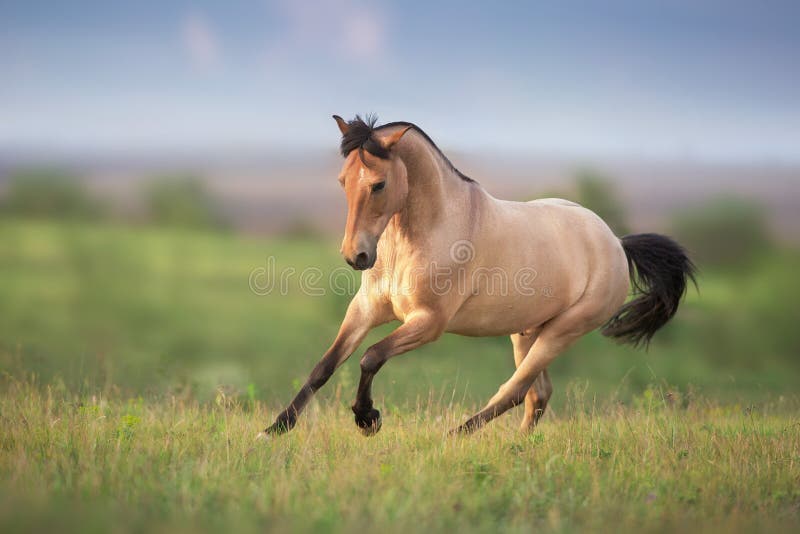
(440, 254)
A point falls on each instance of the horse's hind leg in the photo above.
(539, 393)
(514, 391)
(536, 400)
(558, 334)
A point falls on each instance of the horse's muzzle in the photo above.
(362, 261)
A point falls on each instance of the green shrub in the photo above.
(596, 192)
(182, 200)
(723, 232)
(48, 193)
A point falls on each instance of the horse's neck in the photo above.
(435, 191)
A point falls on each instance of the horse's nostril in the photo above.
(361, 260)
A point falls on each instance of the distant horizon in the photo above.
(264, 193)
(253, 154)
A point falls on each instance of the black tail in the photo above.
(659, 270)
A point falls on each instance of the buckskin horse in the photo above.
(435, 250)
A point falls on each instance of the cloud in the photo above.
(345, 30)
(363, 35)
(200, 42)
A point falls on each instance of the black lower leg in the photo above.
(487, 414)
(288, 417)
(367, 417)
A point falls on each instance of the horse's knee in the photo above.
(547, 392)
(543, 386)
(371, 362)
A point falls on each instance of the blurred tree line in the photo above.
(180, 200)
(723, 232)
(50, 194)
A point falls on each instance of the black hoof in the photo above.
(467, 428)
(369, 422)
(458, 431)
(281, 426)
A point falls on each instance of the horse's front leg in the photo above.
(420, 328)
(355, 326)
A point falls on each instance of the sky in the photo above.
(704, 79)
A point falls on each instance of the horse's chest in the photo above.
(409, 290)
(404, 299)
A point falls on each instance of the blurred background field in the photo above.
(176, 299)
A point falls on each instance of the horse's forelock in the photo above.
(359, 136)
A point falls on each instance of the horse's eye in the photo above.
(378, 187)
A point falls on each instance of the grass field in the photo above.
(96, 464)
(138, 364)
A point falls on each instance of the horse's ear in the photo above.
(389, 141)
(343, 127)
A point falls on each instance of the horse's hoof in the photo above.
(370, 422)
(282, 425)
(462, 430)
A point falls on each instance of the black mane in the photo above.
(359, 136)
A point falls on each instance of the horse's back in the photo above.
(557, 220)
(555, 202)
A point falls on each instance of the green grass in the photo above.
(98, 464)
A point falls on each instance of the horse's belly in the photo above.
(492, 316)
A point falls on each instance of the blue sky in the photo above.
(704, 79)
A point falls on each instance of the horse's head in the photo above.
(375, 182)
